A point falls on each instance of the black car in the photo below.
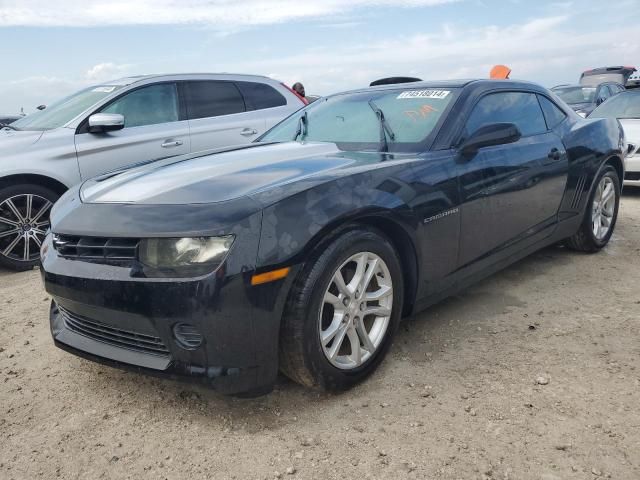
(585, 98)
(302, 252)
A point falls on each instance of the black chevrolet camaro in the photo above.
(302, 252)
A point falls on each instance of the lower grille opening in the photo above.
(114, 336)
(632, 176)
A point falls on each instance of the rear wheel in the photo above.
(601, 214)
(24, 220)
(343, 312)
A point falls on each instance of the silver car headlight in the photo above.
(183, 257)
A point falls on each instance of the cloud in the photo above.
(545, 49)
(221, 14)
(107, 71)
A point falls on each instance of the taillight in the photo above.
(300, 97)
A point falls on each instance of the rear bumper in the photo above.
(100, 313)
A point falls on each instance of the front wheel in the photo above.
(600, 215)
(24, 221)
(342, 312)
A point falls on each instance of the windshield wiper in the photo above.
(385, 129)
(303, 127)
(6, 125)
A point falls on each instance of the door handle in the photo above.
(247, 132)
(554, 154)
(171, 143)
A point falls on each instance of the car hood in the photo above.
(223, 176)
(17, 140)
(583, 107)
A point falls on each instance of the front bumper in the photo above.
(632, 171)
(99, 312)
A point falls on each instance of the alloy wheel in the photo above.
(24, 220)
(356, 309)
(603, 209)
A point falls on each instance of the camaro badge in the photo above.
(453, 211)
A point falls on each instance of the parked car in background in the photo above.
(302, 252)
(626, 108)
(596, 76)
(633, 81)
(6, 119)
(109, 126)
(585, 98)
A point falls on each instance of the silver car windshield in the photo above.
(398, 120)
(624, 105)
(63, 111)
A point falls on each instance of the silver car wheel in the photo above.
(24, 220)
(356, 310)
(603, 209)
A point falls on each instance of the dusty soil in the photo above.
(462, 395)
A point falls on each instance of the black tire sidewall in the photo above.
(21, 189)
(610, 172)
(328, 376)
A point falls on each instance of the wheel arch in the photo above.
(617, 163)
(396, 233)
(31, 178)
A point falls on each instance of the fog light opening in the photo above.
(187, 336)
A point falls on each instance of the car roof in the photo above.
(125, 81)
(460, 83)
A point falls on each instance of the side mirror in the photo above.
(105, 122)
(489, 136)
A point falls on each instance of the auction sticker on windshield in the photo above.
(424, 94)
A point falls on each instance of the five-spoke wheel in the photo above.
(343, 311)
(356, 308)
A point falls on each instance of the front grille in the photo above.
(96, 249)
(632, 176)
(114, 336)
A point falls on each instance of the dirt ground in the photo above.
(532, 374)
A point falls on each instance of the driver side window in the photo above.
(150, 105)
(519, 108)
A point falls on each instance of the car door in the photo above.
(153, 130)
(218, 116)
(509, 192)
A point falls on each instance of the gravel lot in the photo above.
(533, 374)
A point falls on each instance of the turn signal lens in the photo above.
(270, 276)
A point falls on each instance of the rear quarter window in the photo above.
(259, 96)
(553, 115)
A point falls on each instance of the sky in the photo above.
(51, 48)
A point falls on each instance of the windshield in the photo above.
(397, 120)
(63, 111)
(574, 95)
(623, 105)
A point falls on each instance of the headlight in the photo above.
(183, 257)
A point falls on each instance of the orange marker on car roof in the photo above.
(500, 72)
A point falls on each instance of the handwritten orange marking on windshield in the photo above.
(424, 112)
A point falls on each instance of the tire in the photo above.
(586, 239)
(308, 316)
(16, 230)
